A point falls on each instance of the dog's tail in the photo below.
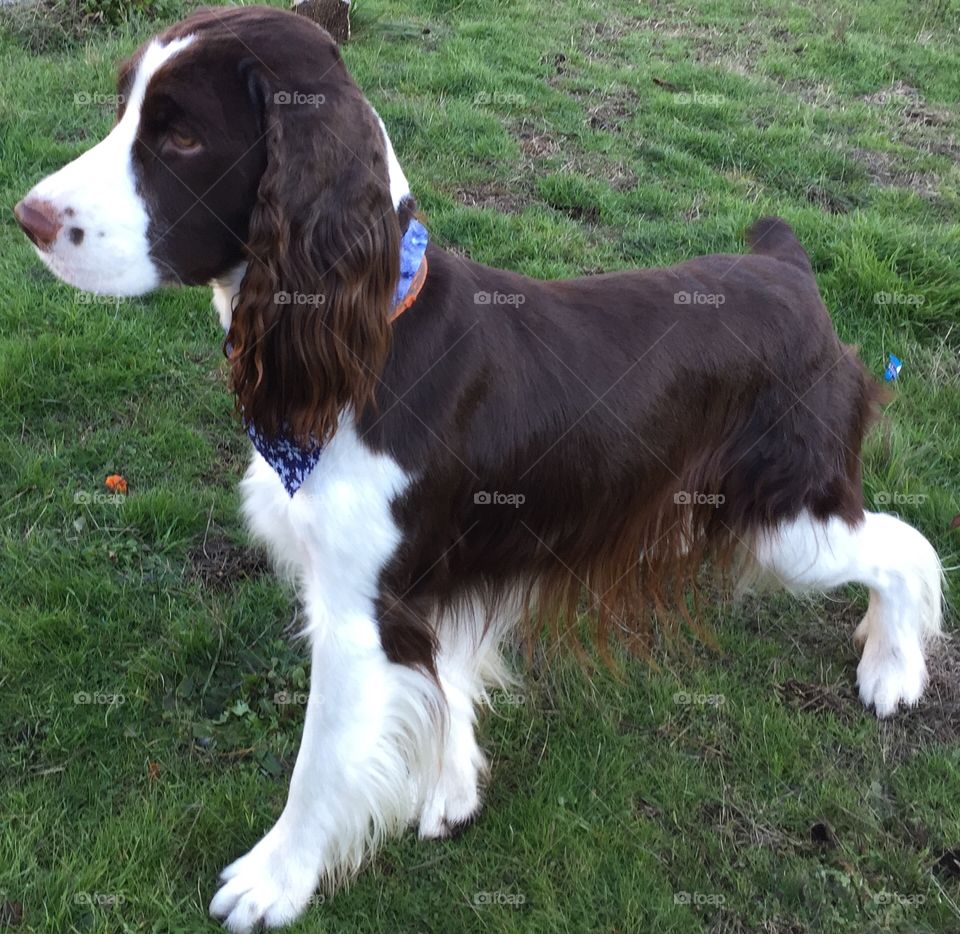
(773, 236)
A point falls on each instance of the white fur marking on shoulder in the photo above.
(225, 292)
(337, 530)
(399, 186)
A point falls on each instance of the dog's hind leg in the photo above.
(468, 662)
(452, 799)
(904, 576)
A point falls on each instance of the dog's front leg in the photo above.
(369, 726)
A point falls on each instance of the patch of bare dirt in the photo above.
(611, 113)
(486, 195)
(726, 921)
(712, 45)
(674, 29)
(827, 634)
(559, 66)
(589, 214)
(913, 108)
(601, 41)
(944, 146)
(746, 830)
(832, 202)
(884, 168)
(71, 135)
(816, 698)
(11, 913)
(230, 460)
(919, 125)
(535, 144)
(936, 719)
(218, 563)
(815, 93)
(538, 144)
(738, 61)
(619, 176)
(948, 864)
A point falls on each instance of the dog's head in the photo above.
(243, 146)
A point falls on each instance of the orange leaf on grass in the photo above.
(115, 483)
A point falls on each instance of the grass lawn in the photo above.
(144, 648)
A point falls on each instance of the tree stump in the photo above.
(333, 15)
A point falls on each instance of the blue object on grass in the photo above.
(892, 371)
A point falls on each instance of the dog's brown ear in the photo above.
(310, 330)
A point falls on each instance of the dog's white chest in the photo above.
(337, 530)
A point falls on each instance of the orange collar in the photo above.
(413, 267)
(419, 277)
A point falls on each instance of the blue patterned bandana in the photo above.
(413, 248)
(293, 463)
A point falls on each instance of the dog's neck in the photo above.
(227, 288)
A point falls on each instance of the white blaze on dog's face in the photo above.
(168, 196)
(89, 222)
(173, 194)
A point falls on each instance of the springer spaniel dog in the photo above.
(444, 452)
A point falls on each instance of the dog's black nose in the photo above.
(39, 221)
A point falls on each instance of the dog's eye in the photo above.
(183, 141)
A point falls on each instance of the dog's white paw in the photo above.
(269, 887)
(452, 804)
(890, 675)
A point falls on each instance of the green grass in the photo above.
(554, 139)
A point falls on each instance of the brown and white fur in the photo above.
(506, 450)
